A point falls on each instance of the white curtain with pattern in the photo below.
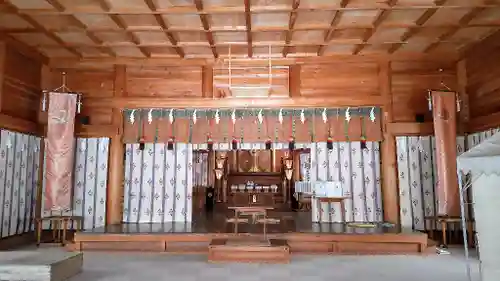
(359, 172)
(158, 183)
(19, 169)
(418, 176)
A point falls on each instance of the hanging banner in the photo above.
(59, 149)
(445, 130)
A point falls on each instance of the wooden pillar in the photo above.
(390, 190)
(445, 131)
(115, 188)
(464, 114)
(3, 50)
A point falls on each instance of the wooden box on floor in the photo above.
(249, 250)
(40, 266)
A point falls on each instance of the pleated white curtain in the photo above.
(158, 183)
(359, 172)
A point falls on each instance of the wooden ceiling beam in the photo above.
(41, 28)
(206, 27)
(67, 63)
(123, 26)
(254, 29)
(291, 26)
(382, 15)
(333, 26)
(59, 7)
(419, 23)
(377, 5)
(461, 23)
(161, 22)
(248, 24)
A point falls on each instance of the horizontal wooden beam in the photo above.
(18, 124)
(410, 129)
(96, 131)
(483, 123)
(93, 62)
(372, 5)
(299, 102)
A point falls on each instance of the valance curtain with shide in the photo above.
(251, 125)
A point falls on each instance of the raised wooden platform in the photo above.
(323, 239)
(248, 250)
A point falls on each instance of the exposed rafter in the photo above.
(59, 7)
(165, 28)
(420, 22)
(291, 26)
(41, 28)
(248, 24)
(376, 23)
(463, 21)
(120, 23)
(333, 25)
(206, 27)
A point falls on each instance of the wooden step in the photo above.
(249, 250)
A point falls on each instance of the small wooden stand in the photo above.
(445, 221)
(339, 200)
(59, 227)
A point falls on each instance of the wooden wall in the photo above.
(328, 83)
(483, 84)
(20, 77)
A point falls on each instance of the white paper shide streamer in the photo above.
(171, 116)
(132, 117)
(372, 114)
(324, 116)
(150, 116)
(348, 114)
(217, 117)
(260, 118)
(194, 117)
(302, 116)
(280, 116)
(233, 116)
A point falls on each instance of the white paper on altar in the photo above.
(327, 189)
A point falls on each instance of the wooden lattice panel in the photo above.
(205, 28)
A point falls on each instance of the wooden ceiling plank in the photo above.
(267, 8)
(333, 26)
(291, 26)
(165, 28)
(123, 26)
(376, 23)
(419, 23)
(206, 26)
(59, 7)
(41, 28)
(248, 23)
(464, 21)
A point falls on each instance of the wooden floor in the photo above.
(301, 234)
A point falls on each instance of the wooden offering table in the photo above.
(254, 211)
(339, 200)
(249, 250)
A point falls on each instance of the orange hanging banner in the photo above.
(444, 110)
(59, 149)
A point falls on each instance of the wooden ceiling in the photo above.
(246, 28)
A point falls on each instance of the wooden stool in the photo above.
(445, 221)
(59, 227)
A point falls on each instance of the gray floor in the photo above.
(156, 267)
